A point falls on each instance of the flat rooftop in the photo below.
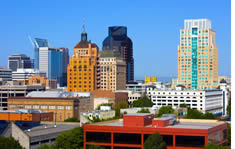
(183, 123)
(48, 129)
(138, 114)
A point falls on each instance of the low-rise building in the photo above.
(132, 96)
(9, 90)
(26, 115)
(36, 136)
(22, 74)
(202, 100)
(116, 96)
(65, 105)
(140, 88)
(37, 79)
(5, 74)
(87, 117)
(134, 129)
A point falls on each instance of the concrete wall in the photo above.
(20, 136)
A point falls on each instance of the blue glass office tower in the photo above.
(38, 43)
(50, 60)
(119, 41)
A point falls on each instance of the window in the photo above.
(52, 107)
(60, 107)
(44, 107)
(35, 106)
(192, 141)
(68, 107)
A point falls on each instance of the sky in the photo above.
(153, 26)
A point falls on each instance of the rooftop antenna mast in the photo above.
(83, 26)
(33, 43)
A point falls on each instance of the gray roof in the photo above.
(48, 129)
(56, 94)
(138, 114)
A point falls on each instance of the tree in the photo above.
(195, 114)
(72, 119)
(208, 115)
(94, 147)
(120, 105)
(9, 143)
(155, 141)
(143, 102)
(215, 146)
(229, 107)
(72, 139)
(165, 110)
(143, 111)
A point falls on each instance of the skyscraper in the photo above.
(65, 52)
(49, 60)
(83, 69)
(19, 61)
(118, 40)
(197, 56)
(113, 71)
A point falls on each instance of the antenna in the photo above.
(30, 39)
(83, 26)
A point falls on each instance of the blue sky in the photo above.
(153, 26)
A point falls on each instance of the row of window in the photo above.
(52, 107)
(171, 92)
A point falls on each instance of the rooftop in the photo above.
(183, 123)
(23, 111)
(56, 94)
(48, 129)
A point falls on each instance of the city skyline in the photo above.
(160, 37)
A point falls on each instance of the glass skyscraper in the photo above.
(50, 60)
(119, 41)
(197, 56)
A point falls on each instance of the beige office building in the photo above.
(197, 56)
(113, 71)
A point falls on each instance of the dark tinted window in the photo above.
(192, 141)
(127, 138)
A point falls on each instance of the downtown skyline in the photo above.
(155, 37)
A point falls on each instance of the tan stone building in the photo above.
(63, 104)
(82, 71)
(113, 71)
(37, 79)
(109, 97)
(197, 56)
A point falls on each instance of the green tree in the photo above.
(165, 110)
(94, 147)
(46, 146)
(195, 114)
(184, 105)
(120, 105)
(208, 115)
(72, 139)
(215, 146)
(9, 143)
(143, 102)
(229, 107)
(72, 119)
(155, 141)
(143, 111)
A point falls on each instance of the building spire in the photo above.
(83, 26)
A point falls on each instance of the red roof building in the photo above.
(132, 131)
